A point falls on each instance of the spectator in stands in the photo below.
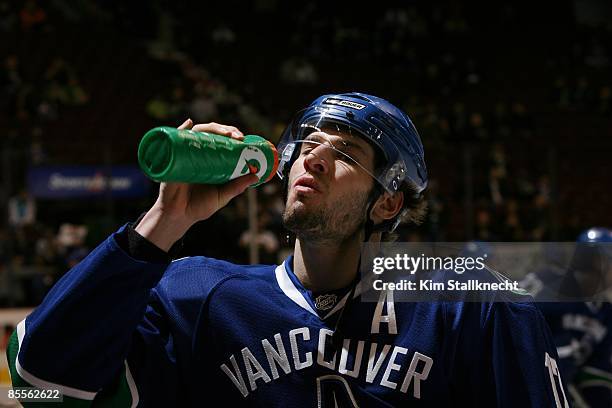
(562, 93)
(459, 122)
(32, 15)
(46, 252)
(538, 211)
(477, 130)
(6, 335)
(71, 244)
(10, 83)
(8, 16)
(522, 122)
(202, 108)
(178, 101)
(298, 71)
(436, 210)
(223, 35)
(265, 239)
(63, 85)
(22, 209)
(512, 229)
(484, 231)
(501, 122)
(583, 94)
(498, 181)
(170, 106)
(159, 108)
(605, 99)
(4, 261)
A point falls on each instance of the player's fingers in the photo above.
(235, 130)
(186, 124)
(219, 129)
(233, 188)
(168, 192)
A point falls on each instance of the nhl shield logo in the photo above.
(325, 302)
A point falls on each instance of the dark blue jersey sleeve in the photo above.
(116, 331)
(79, 338)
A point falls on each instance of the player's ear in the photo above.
(387, 206)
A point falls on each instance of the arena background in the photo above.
(513, 101)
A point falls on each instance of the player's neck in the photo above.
(326, 267)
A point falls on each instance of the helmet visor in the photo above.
(336, 132)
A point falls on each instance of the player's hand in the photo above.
(195, 202)
(180, 205)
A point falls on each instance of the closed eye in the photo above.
(344, 156)
(341, 153)
(306, 148)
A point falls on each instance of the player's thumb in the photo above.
(234, 187)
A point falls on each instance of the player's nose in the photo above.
(318, 160)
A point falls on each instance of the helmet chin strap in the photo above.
(370, 228)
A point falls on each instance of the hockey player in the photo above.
(582, 330)
(127, 327)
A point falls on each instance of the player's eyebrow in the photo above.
(355, 146)
(343, 141)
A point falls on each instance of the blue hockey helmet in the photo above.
(595, 234)
(599, 237)
(591, 264)
(378, 121)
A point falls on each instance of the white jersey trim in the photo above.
(35, 381)
(287, 286)
(132, 385)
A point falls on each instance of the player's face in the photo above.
(328, 191)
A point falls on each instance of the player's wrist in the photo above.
(162, 229)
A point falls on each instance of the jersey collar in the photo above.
(293, 289)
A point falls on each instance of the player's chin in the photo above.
(296, 206)
(301, 208)
(294, 199)
(300, 219)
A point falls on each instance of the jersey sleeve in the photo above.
(506, 358)
(524, 358)
(100, 319)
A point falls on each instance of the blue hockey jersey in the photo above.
(116, 331)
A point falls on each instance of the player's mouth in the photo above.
(306, 185)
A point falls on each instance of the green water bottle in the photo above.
(181, 155)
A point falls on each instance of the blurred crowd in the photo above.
(33, 255)
(479, 127)
(579, 85)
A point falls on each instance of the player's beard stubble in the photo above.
(334, 221)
